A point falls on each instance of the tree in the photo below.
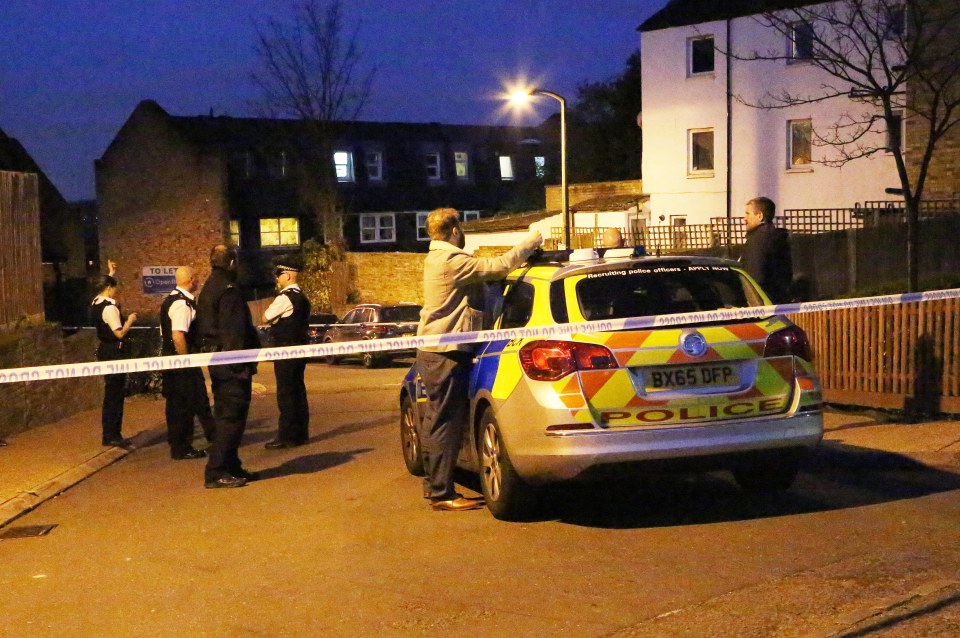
(310, 70)
(891, 61)
(603, 128)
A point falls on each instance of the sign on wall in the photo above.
(158, 280)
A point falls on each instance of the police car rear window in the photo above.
(642, 291)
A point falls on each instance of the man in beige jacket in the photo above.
(453, 290)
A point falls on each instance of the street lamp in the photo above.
(522, 96)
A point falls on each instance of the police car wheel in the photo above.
(410, 438)
(769, 473)
(508, 497)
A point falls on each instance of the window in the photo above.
(540, 166)
(235, 232)
(279, 231)
(245, 165)
(517, 306)
(801, 41)
(893, 21)
(377, 227)
(700, 152)
(432, 164)
(374, 166)
(470, 215)
(462, 161)
(422, 226)
(895, 132)
(343, 162)
(799, 147)
(700, 55)
(506, 168)
(278, 168)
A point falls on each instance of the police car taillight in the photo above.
(552, 360)
(792, 340)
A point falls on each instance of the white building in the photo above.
(690, 128)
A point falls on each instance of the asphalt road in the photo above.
(337, 541)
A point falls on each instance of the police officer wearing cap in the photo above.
(289, 317)
(111, 329)
(224, 324)
(184, 389)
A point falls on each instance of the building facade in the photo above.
(701, 146)
(170, 187)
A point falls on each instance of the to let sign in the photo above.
(159, 280)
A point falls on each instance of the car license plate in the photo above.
(699, 376)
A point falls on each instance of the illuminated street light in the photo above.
(522, 96)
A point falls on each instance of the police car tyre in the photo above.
(508, 497)
(770, 473)
(410, 438)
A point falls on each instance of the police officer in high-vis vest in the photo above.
(224, 324)
(111, 329)
(183, 388)
(289, 317)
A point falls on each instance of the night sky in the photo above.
(71, 71)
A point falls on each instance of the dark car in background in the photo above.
(375, 321)
(319, 324)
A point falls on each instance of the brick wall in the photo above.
(583, 192)
(29, 404)
(386, 277)
(161, 204)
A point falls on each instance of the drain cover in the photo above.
(25, 531)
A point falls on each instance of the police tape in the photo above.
(348, 348)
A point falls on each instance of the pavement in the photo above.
(40, 463)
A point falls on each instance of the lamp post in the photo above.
(522, 96)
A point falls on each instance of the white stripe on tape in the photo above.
(151, 364)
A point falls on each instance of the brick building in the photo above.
(169, 187)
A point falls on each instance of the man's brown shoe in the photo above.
(457, 504)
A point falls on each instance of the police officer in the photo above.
(111, 329)
(289, 317)
(184, 389)
(223, 324)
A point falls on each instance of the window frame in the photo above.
(377, 156)
(233, 231)
(691, 72)
(422, 225)
(378, 228)
(436, 168)
(461, 160)
(279, 232)
(793, 47)
(794, 165)
(469, 215)
(692, 169)
(540, 166)
(350, 175)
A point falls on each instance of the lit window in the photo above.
(462, 161)
(470, 215)
(700, 152)
(540, 166)
(432, 164)
(374, 166)
(700, 55)
(800, 133)
(506, 168)
(279, 231)
(234, 232)
(801, 41)
(343, 162)
(377, 227)
(895, 132)
(422, 226)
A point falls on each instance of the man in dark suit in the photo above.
(766, 254)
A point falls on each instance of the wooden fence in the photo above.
(898, 357)
(21, 281)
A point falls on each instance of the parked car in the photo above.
(375, 321)
(319, 323)
(737, 394)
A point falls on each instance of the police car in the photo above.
(737, 394)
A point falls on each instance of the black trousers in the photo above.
(186, 395)
(446, 378)
(294, 419)
(231, 404)
(111, 418)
